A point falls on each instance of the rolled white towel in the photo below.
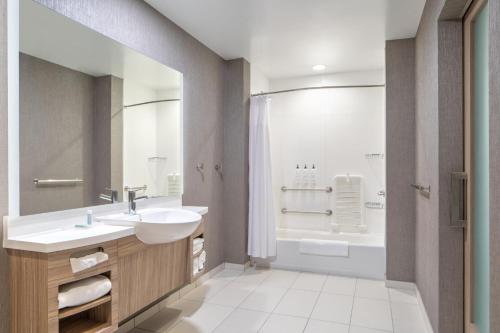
(83, 291)
(196, 263)
(198, 244)
(88, 261)
(198, 240)
(201, 260)
(197, 248)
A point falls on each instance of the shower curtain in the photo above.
(262, 228)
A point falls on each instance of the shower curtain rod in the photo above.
(151, 102)
(313, 88)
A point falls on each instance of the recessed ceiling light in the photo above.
(319, 68)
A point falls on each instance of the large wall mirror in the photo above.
(94, 117)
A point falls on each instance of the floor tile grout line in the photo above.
(287, 289)
(281, 299)
(390, 309)
(218, 325)
(353, 300)
(315, 303)
(205, 300)
(237, 306)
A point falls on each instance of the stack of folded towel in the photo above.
(199, 263)
(196, 263)
(83, 291)
(197, 245)
(202, 259)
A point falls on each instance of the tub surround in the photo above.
(56, 231)
(367, 257)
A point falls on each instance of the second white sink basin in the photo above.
(158, 225)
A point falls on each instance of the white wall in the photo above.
(258, 81)
(347, 78)
(151, 130)
(332, 129)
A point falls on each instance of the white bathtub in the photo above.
(366, 254)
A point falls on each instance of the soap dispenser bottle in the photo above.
(89, 217)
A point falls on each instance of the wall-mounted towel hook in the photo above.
(218, 168)
(424, 190)
(305, 166)
(314, 166)
(298, 166)
(200, 167)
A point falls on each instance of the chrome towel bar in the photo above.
(327, 212)
(327, 189)
(57, 182)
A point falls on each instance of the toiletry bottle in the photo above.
(312, 177)
(89, 217)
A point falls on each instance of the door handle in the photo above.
(458, 200)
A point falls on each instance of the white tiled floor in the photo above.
(277, 301)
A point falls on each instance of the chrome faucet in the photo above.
(113, 197)
(132, 197)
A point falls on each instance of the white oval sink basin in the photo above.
(158, 225)
(164, 225)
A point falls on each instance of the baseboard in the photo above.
(421, 305)
(237, 267)
(412, 286)
(400, 285)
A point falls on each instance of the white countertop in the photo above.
(56, 231)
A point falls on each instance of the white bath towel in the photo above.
(83, 291)
(322, 247)
(196, 263)
(198, 244)
(201, 260)
(91, 260)
(198, 240)
(197, 248)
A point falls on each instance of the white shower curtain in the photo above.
(262, 228)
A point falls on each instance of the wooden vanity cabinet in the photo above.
(35, 279)
(140, 274)
(150, 272)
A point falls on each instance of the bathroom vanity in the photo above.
(141, 274)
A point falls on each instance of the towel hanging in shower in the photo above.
(262, 227)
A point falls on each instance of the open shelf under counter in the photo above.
(67, 312)
(84, 325)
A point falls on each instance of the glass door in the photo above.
(477, 268)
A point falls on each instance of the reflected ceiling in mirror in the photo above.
(95, 117)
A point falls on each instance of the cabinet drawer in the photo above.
(59, 267)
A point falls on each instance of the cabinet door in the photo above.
(173, 266)
(138, 281)
(148, 272)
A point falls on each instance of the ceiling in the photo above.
(285, 38)
(48, 35)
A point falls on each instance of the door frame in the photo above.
(468, 38)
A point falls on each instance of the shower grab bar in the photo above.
(327, 189)
(327, 212)
(57, 182)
